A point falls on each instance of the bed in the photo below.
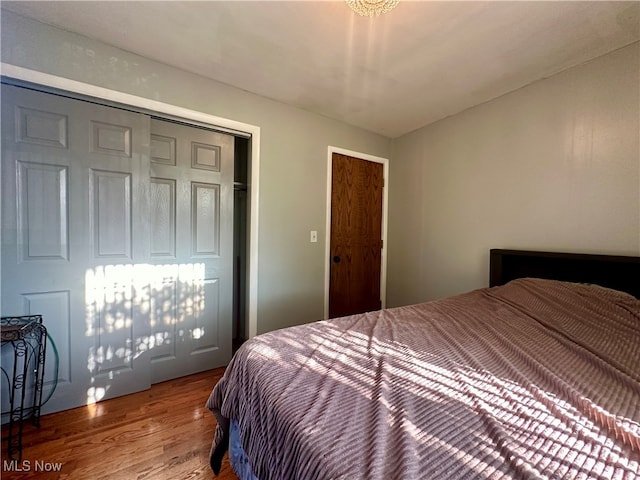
(536, 376)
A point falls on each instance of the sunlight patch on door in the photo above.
(133, 309)
(197, 333)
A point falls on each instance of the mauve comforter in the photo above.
(534, 379)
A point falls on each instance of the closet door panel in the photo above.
(192, 170)
(75, 238)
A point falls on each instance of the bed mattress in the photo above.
(534, 379)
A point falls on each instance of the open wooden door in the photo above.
(356, 235)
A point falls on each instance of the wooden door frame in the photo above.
(385, 196)
(85, 89)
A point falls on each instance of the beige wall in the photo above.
(293, 168)
(552, 166)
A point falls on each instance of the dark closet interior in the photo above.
(240, 219)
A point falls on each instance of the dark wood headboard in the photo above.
(613, 271)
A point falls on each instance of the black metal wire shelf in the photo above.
(22, 374)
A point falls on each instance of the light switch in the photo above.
(314, 236)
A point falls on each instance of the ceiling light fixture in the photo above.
(369, 8)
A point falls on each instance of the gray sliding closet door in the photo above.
(191, 249)
(124, 260)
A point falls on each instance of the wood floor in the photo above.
(161, 433)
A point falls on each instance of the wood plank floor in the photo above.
(161, 433)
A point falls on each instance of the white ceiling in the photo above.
(392, 74)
